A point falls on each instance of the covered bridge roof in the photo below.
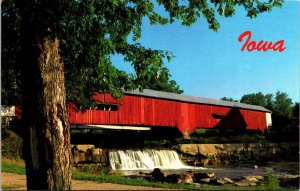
(193, 99)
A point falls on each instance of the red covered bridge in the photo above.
(147, 109)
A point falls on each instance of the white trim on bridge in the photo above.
(116, 127)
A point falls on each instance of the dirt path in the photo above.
(18, 182)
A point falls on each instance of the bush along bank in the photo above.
(11, 144)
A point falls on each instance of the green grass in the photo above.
(13, 169)
(16, 166)
(270, 183)
(8, 187)
(13, 166)
(117, 179)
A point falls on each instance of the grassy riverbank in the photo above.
(18, 166)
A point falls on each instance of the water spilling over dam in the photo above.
(146, 159)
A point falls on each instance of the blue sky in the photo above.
(211, 64)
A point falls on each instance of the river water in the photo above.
(233, 172)
(133, 162)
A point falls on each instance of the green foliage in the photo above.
(283, 105)
(254, 99)
(271, 182)
(280, 105)
(198, 131)
(161, 82)
(13, 168)
(10, 49)
(228, 99)
(11, 144)
(93, 169)
(8, 187)
(90, 32)
(296, 110)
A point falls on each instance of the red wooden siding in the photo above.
(146, 111)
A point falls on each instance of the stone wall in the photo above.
(205, 154)
(89, 154)
(228, 153)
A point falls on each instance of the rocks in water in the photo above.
(251, 178)
(186, 178)
(259, 177)
(201, 175)
(204, 180)
(228, 180)
(180, 178)
(288, 175)
(217, 181)
(204, 177)
(173, 178)
(220, 181)
(209, 178)
(289, 182)
(204, 162)
(214, 162)
(245, 182)
(158, 174)
(249, 181)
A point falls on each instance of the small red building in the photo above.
(147, 109)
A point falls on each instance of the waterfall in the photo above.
(147, 159)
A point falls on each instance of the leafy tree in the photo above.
(228, 99)
(162, 82)
(296, 110)
(283, 105)
(10, 46)
(260, 99)
(269, 103)
(65, 52)
(254, 99)
(280, 105)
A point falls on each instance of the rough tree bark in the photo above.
(44, 113)
(47, 139)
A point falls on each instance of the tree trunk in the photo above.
(44, 113)
(47, 137)
(48, 163)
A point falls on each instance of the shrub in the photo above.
(198, 131)
(93, 168)
(12, 144)
(272, 183)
